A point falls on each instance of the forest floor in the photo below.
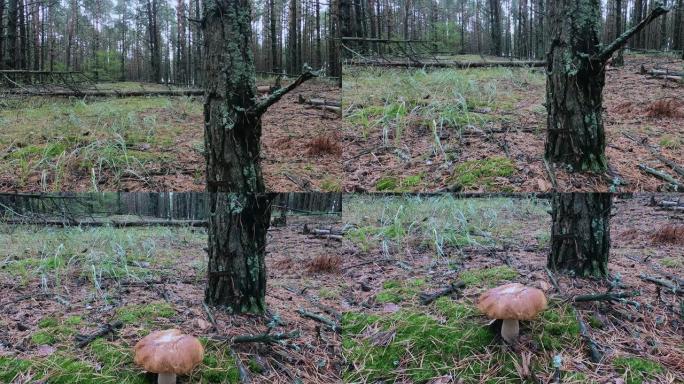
(58, 283)
(484, 129)
(154, 143)
(422, 245)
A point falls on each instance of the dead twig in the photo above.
(322, 319)
(82, 340)
(427, 298)
(595, 354)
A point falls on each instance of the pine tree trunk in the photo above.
(232, 137)
(618, 60)
(237, 242)
(495, 26)
(574, 87)
(580, 233)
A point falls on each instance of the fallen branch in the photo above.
(594, 353)
(608, 296)
(322, 319)
(427, 298)
(549, 171)
(673, 287)
(661, 175)
(245, 377)
(554, 282)
(266, 338)
(83, 340)
(262, 105)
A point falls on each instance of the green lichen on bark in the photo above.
(580, 235)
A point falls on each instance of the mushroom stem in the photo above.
(510, 330)
(166, 378)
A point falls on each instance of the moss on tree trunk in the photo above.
(232, 136)
(580, 233)
(575, 134)
(237, 241)
(575, 80)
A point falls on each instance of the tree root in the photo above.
(427, 298)
(83, 340)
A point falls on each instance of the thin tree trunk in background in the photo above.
(495, 26)
(319, 49)
(618, 60)
(677, 38)
(35, 19)
(23, 37)
(292, 39)
(70, 33)
(12, 41)
(580, 233)
(237, 246)
(541, 34)
(273, 37)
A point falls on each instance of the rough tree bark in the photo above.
(575, 80)
(237, 240)
(580, 233)
(240, 211)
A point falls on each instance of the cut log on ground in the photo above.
(449, 64)
(327, 105)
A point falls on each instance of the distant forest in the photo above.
(154, 40)
(514, 28)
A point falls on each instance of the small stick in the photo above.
(245, 378)
(427, 298)
(663, 283)
(595, 354)
(608, 296)
(210, 316)
(553, 280)
(333, 326)
(83, 340)
(264, 338)
(549, 171)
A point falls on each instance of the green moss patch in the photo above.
(636, 370)
(133, 314)
(395, 291)
(408, 345)
(488, 276)
(481, 173)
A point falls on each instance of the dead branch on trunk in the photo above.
(427, 298)
(261, 106)
(603, 56)
(82, 340)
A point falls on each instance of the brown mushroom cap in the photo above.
(168, 351)
(512, 301)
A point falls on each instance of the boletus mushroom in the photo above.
(512, 303)
(168, 353)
